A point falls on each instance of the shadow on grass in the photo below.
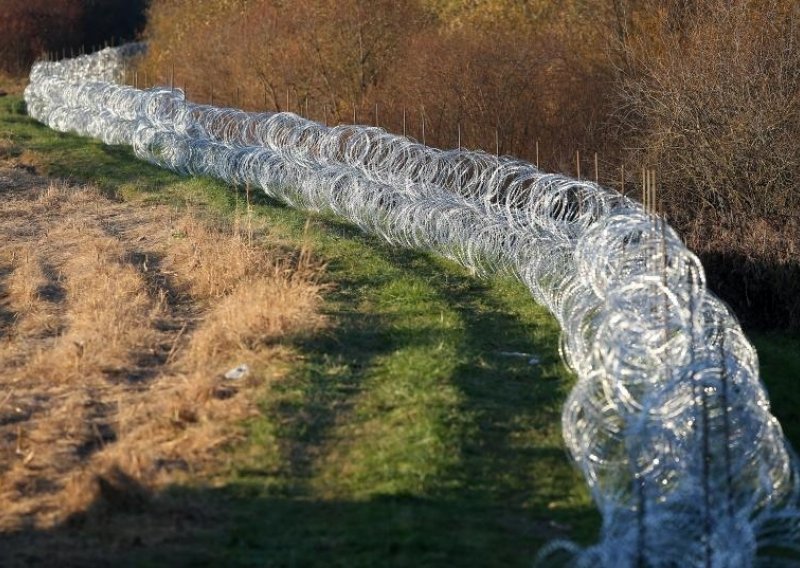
(126, 526)
(764, 295)
(512, 460)
(779, 361)
(108, 167)
(491, 507)
(489, 517)
(7, 317)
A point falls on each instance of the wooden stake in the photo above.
(497, 141)
(249, 216)
(459, 136)
(578, 162)
(622, 178)
(644, 189)
(596, 170)
(404, 121)
(376, 114)
(652, 199)
(423, 125)
(649, 193)
(537, 154)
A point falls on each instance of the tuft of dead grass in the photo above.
(7, 147)
(117, 324)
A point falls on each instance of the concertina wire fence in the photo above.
(668, 421)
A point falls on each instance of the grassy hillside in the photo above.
(411, 432)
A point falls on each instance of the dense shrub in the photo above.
(112, 21)
(497, 75)
(704, 91)
(32, 28)
(710, 97)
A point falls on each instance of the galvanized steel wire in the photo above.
(668, 422)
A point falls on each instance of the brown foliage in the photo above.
(711, 98)
(31, 28)
(381, 61)
(705, 91)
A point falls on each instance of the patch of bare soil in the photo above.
(118, 322)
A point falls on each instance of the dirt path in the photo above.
(117, 324)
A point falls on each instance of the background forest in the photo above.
(707, 92)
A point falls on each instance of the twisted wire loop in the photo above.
(668, 422)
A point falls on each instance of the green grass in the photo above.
(405, 435)
(779, 360)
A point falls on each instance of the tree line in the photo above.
(30, 29)
(706, 92)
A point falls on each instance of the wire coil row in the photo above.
(668, 422)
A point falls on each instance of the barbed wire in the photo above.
(668, 422)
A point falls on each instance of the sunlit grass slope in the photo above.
(412, 431)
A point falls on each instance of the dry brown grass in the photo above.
(12, 84)
(117, 324)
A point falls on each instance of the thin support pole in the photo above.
(644, 190)
(423, 125)
(651, 197)
(596, 170)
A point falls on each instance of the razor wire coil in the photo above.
(668, 422)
